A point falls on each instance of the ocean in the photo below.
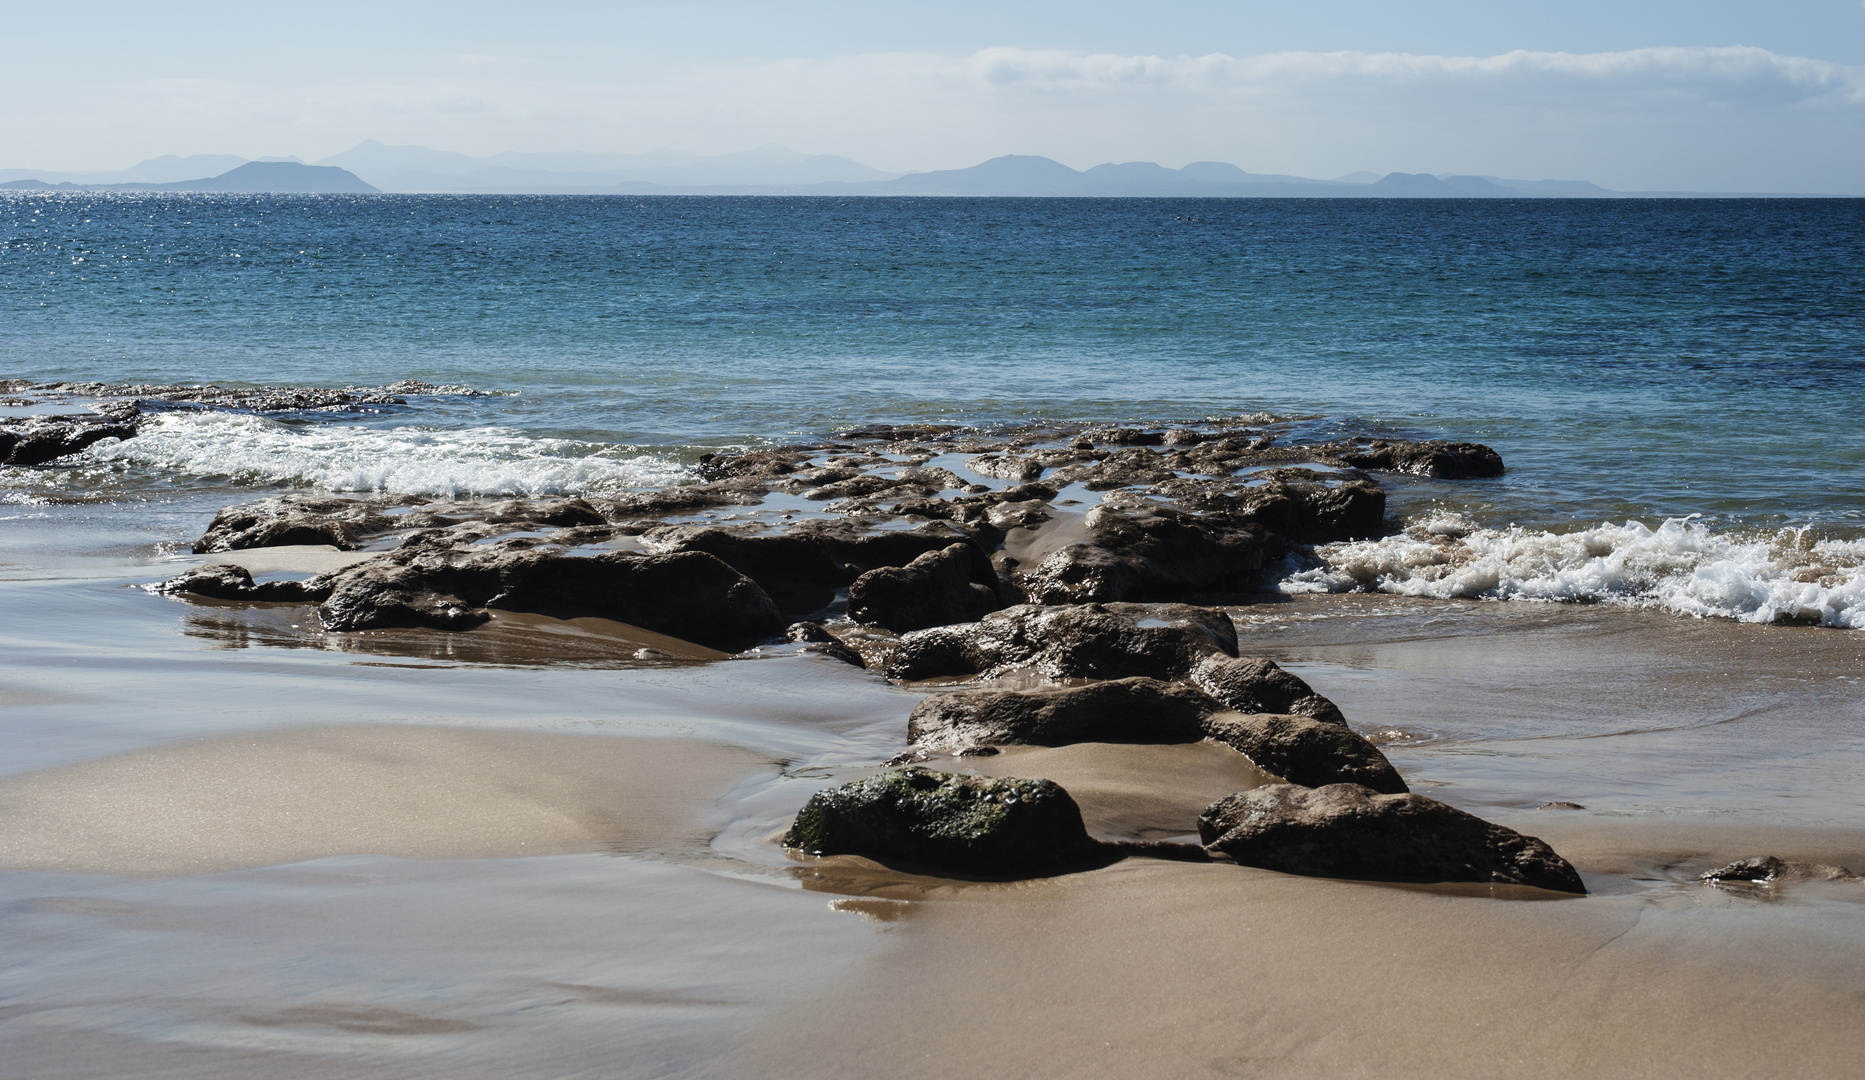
(233, 844)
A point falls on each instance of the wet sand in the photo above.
(208, 805)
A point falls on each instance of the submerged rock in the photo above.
(1445, 460)
(970, 824)
(816, 638)
(1350, 831)
(933, 590)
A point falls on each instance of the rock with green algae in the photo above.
(986, 826)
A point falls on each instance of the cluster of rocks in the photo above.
(968, 559)
(121, 408)
(1162, 674)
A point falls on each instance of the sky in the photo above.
(1661, 95)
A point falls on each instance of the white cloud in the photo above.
(1698, 118)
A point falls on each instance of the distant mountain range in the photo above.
(371, 166)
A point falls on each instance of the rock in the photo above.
(36, 440)
(689, 595)
(1560, 806)
(1759, 870)
(1306, 751)
(1089, 641)
(976, 825)
(1135, 710)
(816, 638)
(294, 519)
(262, 398)
(220, 581)
(799, 572)
(758, 465)
(1252, 685)
(934, 589)
(1445, 460)
(1139, 552)
(1350, 831)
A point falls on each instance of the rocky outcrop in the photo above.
(347, 523)
(1346, 830)
(689, 595)
(1300, 749)
(935, 589)
(966, 824)
(37, 440)
(1088, 641)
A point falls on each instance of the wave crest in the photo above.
(401, 460)
(1681, 566)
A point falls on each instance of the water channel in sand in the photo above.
(231, 846)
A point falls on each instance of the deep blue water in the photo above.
(1634, 357)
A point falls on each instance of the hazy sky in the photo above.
(1708, 94)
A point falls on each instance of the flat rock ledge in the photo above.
(971, 825)
(1351, 831)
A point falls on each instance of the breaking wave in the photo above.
(1681, 566)
(402, 460)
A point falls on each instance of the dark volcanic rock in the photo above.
(1446, 460)
(689, 595)
(223, 582)
(934, 589)
(36, 440)
(1306, 751)
(1346, 830)
(1252, 685)
(1092, 641)
(969, 824)
(1122, 711)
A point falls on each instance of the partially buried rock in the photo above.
(1306, 751)
(1254, 685)
(1133, 710)
(1351, 831)
(219, 581)
(1767, 869)
(985, 826)
(933, 590)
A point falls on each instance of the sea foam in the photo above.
(402, 460)
(1682, 566)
